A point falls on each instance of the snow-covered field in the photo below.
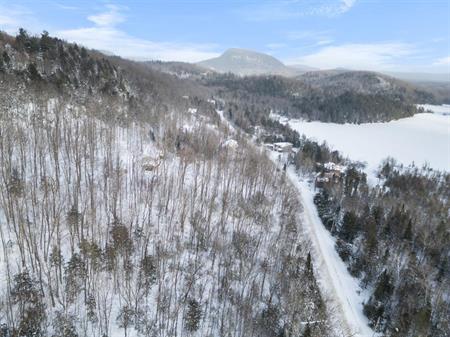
(423, 138)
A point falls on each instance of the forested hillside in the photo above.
(135, 201)
(350, 97)
(394, 237)
(127, 208)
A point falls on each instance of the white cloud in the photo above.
(104, 35)
(68, 8)
(109, 18)
(13, 17)
(376, 56)
(442, 61)
(324, 42)
(347, 4)
(291, 9)
(118, 42)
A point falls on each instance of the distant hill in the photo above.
(337, 82)
(331, 96)
(302, 68)
(181, 70)
(246, 62)
(421, 77)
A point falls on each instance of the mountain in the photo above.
(246, 62)
(180, 70)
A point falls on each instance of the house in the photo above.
(329, 173)
(320, 182)
(283, 147)
(335, 168)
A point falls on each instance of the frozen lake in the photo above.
(437, 109)
(423, 138)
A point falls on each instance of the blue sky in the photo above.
(399, 35)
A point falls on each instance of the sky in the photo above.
(384, 35)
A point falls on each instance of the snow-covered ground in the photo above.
(423, 138)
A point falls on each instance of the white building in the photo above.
(283, 147)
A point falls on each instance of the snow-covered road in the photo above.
(336, 283)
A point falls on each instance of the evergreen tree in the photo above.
(371, 236)
(22, 39)
(46, 42)
(33, 72)
(193, 315)
(269, 321)
(423, 319)
(408, 234)
(384, 287)
(6, 58)
(350, 227)
(147, 272)
(309, 267)
(307, 331)
(31, 310)
(64, 326)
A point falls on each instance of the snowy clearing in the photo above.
(423, 138)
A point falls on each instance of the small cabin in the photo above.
(320, 182)
(283, 147)
(334, 168)
(330, 173)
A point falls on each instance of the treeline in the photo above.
(395, 237)
(352, 107)
(297, 98)
(66, 66)
(53, 66)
